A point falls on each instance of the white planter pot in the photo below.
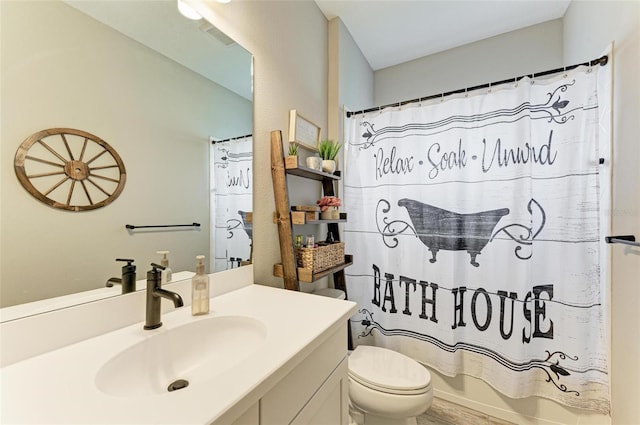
(328, 214)
(314, 162)
(328, 166)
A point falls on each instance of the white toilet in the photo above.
(385, 387)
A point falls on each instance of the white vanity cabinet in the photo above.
(296, 374)
(316, 389)
(315, 392)
(250, 417)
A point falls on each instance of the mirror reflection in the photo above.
(159, 89)
(231, 202)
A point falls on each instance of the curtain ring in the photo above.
(466, 94)
(441, 97)
(489, 91)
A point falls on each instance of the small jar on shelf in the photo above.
(329, 207)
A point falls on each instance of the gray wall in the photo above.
(525, 51)
(356, 76)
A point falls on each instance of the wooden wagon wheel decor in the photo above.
(70, 169)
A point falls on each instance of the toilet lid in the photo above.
(387, 370)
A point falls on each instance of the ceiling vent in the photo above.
(216, 33)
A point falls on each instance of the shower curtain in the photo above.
(231, 202)
(477, 222)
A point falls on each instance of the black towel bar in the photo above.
(625, 239)
(131, 226)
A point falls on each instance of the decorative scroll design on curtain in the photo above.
(551, 111)
(477, 223)
(550, 365)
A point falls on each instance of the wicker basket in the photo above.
(321, 258)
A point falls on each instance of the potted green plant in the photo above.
(293, 149)
(291, 161)
(328, 150)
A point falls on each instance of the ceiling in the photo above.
(390, 32)
(196, 45)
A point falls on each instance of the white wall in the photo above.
(529, 50)
(63, 69)
(589, 27)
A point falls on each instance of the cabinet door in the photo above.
(329, 404)
(294, 392)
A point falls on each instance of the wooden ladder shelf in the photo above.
(288, 270)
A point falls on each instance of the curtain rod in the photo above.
(213, 142)
(600, 61)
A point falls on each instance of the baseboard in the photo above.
(504, 414)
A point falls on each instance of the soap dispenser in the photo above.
(200, 289)
(164, 262)
(128, 276)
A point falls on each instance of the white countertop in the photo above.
(58, 387)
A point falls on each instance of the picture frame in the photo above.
(303, 132)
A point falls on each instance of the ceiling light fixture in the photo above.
(187, 11)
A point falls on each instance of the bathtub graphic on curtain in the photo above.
(477, 225)
(440, 229)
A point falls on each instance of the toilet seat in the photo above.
(388, 371)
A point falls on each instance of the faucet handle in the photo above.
(128, 260)
(157, 266)
(154, 274)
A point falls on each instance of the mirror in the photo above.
(158, 88)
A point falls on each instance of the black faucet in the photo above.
(113, 281)
(128, 280)
(154, 293)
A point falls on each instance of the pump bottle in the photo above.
(200, 289)
(164, 262)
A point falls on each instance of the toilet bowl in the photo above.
(386, 387)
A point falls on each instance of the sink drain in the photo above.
(178, 384)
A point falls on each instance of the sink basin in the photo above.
(194, 352)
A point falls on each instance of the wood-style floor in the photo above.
(446, 413)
